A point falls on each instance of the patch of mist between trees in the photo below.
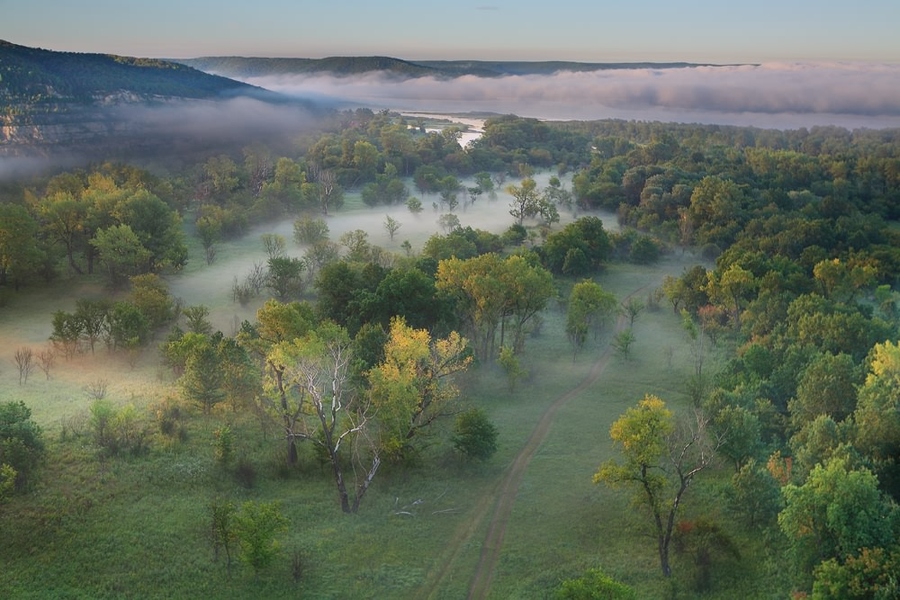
(167, 130)
(231, 119)
(772, 95)
(212, 285)
(18, 168)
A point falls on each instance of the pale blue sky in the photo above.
(584, 30)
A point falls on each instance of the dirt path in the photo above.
(504, 495)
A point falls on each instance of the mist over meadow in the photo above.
(770, 95)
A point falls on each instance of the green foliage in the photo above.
(870, 574)
(121, 251)
(594, 585)
(509, 362)
(223, 445)
(474, 435)
(117, 430)
(286, 277)
(579, 249)
(755, 495)
(310, 231)
(20, 253)
(21, 445)
(589, 309)
(623, 342)
(837, 511)
(150, 294)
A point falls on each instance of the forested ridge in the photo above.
(34, 76)
(773, 466)
(343, 66)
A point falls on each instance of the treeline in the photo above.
(802, 298)
(802, 227)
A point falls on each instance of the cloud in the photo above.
(822, 93)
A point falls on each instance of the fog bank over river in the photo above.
(772, 95)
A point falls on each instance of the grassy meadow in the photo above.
(139, 527)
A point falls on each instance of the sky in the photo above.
(713, 31)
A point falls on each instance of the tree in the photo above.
(578, 249)
(835, 513)
(197, 319)
(493, 293)
(93, 316)
(622, 342)
(21, 444)
(20, 253)
(24, 358)
(870, 574)
(255, 526)
(203, 378)
(755, 495)
(474, 436)
(827, 386)
(310, 231)
(286, 277)
(307, 378)
(66, 332)
(877, 414)
(526, 200)
(512, 366)
(274, 245)
(391, 225)
(121, 251)
(129, 327)
(589, 308)
(631, 308)
(157, 228)
(209, 230)
(63, 216)
(660, 461)
(413, 386)
(150, 294)
(357, 244)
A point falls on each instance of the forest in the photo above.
(607, 359)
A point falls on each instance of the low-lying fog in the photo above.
(212, 285)
(771, 95)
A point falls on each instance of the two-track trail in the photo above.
(503, 496)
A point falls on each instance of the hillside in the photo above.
(244, 67)
(51, 100)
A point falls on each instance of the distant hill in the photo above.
(237, 66)
(244, 68)
(53, 99)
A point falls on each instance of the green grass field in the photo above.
(138, 527)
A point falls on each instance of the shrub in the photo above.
(594, 585)
(474, 436)
(21, 444)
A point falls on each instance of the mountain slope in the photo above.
(50, 100)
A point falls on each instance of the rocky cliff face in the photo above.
(50, 101)
(48, 127)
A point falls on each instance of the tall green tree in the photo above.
(21, 445)
(835, 513)
(660, 459)
(589, 308)
(20, 252)
(121, 250)
(526, 200)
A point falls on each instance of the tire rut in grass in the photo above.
(505, 492)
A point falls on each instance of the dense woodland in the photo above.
(364, 353)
